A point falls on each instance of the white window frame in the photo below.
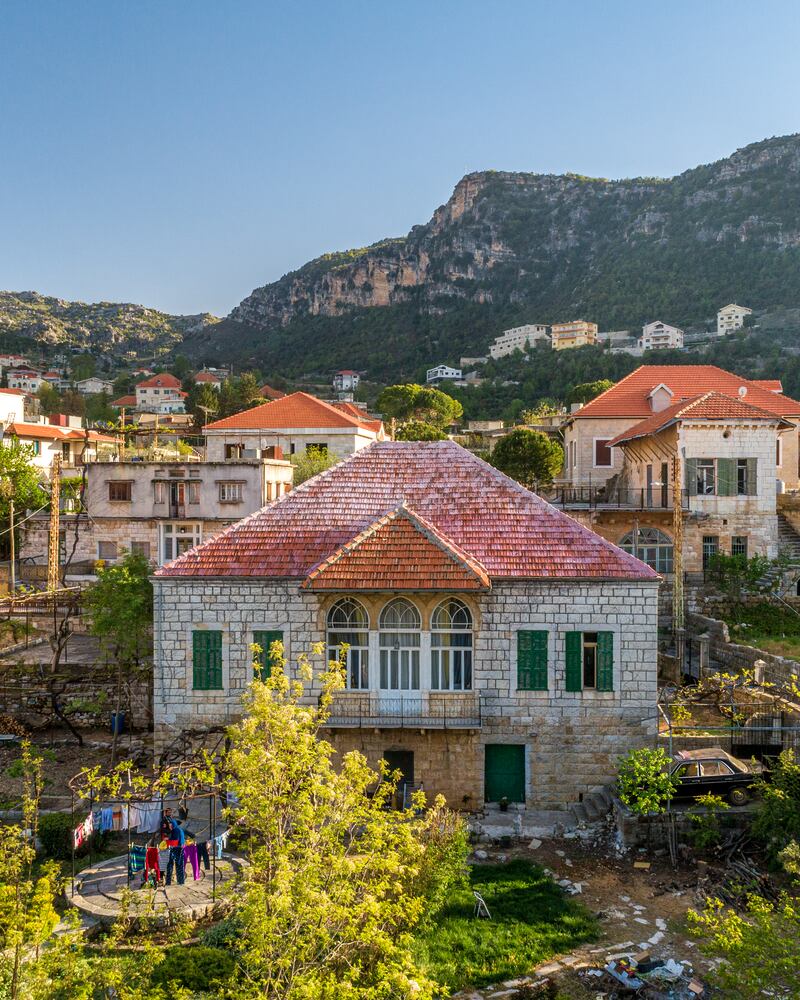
(450, 660)
(594, 453)
(395, 651)
(108, 541)
(231, 492)
(332, 651)
(197, 534)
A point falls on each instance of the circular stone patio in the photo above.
(99, 891)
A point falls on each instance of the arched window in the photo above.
(399, 628)
(348, 624)
(451, 647)
(651, 546)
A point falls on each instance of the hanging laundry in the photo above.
(220, 843)
(106, 820)
(134, 817)
(88, 826)
(190, 858)
(77, 836)
(136, 859)
(202, 853)
(151, 817)
(151, 863)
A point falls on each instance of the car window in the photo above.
(716, 768)
(688, 771)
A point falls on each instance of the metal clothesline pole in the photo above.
(214, 850)
(72, 809)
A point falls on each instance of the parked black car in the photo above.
(714, 771)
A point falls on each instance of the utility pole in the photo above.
(53, 547)
(13, 550)
(678, 619)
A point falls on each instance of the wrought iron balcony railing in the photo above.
(407, 710)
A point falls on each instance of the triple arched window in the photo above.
(408, 657)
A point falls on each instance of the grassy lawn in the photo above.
(766, 626)
(532, 920)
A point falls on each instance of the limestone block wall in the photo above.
(571, 740)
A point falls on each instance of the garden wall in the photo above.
(734, 658)
(24, 695)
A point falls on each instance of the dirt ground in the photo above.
(69, 760)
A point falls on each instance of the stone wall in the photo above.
(24, 695)
(734, 657)
(571, 740)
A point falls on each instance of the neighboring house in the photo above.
(13, 361)
(577, 333)
(293, 423)
(12, 406)
(443, 373)
(731, 318)
(162, 509)
(160, 394)
(658, 336)
(518, 338)
(269, 393)
(56, 380)
(346, 380)
(732, 444)
(24, 378)
(124, 403)
(94, 386)
(74, 445)
(206, 377)
(492, 650)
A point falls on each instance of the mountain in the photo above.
(509, 248)
(30, 319)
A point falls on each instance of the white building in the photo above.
(443, 373)
(658, 336)
(160, 394)
(346, 380)
(518, 338)
(730, 318)
(12, 406)
(93, 386)
(24, 378)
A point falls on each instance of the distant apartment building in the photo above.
(659, 336)
(27, 379)
(518, 338)
(93, 386)
(160, 394)
(577, 333)
(443, 373)
(161, 509)
(346, 381)
(731, 318)
(13, 361)
(293, 423)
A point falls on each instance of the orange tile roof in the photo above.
(43, 431)
(629, 397)
(491, 519)
(269, 393)
(207, 377)
(401, 551)
(773, 384)
(162, 381)
(709, 406)
(124, 401)
(15, 392)
(299, 409)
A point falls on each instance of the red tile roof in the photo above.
(124, 401)
(162, 381)
(629, 397)
(293, 411)
(269, 393)
(490, 518)
(207, 377)
(401, 551)
(15, 392)
(773, 384)
(710, 406)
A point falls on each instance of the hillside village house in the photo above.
(732, 441)
(160, 394)
(293, 423)
(731, 318)
(94, 386)
(161, 509)
(495, 647)
(518, 338)
(346, 380)
(442, 373)
(61, 436)
(208, 378)
(658, 336)
(577, 333)
(27, 379)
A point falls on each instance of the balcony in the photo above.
(604, 498)
(423, 710)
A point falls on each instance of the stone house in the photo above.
(658, 336)
(160, 509)
(733, 443)
(493, 647)
(75, 445)
(731, 318)
(292, 423)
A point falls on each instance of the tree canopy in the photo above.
(530, 457)
(586, 391)
(19, 478)
(310, 463)
(423, 404)
(419, 430)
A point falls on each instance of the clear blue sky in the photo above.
(179, 154)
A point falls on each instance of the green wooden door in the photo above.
(505, 772)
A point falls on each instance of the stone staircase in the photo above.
(779, 578)
(593, 806)
(788, 540)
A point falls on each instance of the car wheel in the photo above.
(738, 797)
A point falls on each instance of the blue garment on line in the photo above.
(106, 820)
(136, 858)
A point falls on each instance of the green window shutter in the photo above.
(605, 661)
(265, 639)
(726, 477)
(752, 477)
(207, 660)
(691, 476)
(574, 648)
(531, 661)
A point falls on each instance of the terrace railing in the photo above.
(593, 497)
(406, 710)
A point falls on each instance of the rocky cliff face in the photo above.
(557, 243)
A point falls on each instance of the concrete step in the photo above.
(579, 813)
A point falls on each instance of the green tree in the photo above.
(120, 607)
(72, 402)
(336, 882)
(249, 390)
(49, 398)
(98, 407)
(203, 403)
(420, 403)
(777, 820)
(419, 430)
(310, 463)
(530, 457)
(544, 408)
(181, 366)
(587, 391)
(644, 782)
(19, 478)
(82, 366)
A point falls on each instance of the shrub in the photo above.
(55, 835)
(645, 785)
(707, 821)
(777, 821)
(223, 934)
(197, 968)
